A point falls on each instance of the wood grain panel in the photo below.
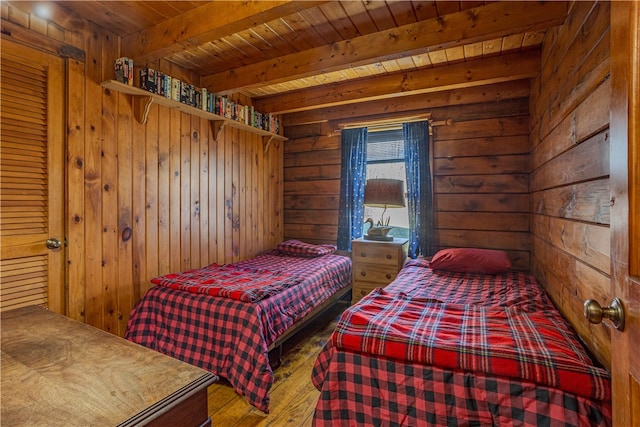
(482, 202)
(423, 103)
(505, 221)
(159, 197)
(480, 173)
(488, 146)
(588, 119)
(588, 160)
(517, 164)
(569, 182)
(502, 183)
(585, 201)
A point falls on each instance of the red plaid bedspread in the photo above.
(229, 337)
(511, 288)
(536, 347)
(230, 281)
(372, 388)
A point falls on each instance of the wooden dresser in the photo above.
(375, 264)
(60, 372)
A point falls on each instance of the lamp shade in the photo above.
(384, 193)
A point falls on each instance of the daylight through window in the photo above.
(385, 159)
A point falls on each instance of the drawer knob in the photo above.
(388, 256)
(388, 276)
(363, 254)
(363, 292)
(363, 273)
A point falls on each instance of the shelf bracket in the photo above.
(266, 142)
(216, 128)
(141, 107)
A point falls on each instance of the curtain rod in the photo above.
(390, 124)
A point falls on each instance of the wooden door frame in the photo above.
(625, 185)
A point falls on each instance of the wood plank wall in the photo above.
(480, 167)
(145, 200)
(570, 169)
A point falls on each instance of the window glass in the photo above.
(385, 159)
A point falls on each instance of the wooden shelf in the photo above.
(143, 101)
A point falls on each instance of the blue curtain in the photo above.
(353, 175)
(419, 188)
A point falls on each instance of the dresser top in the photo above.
(58, 371)
(395, 241)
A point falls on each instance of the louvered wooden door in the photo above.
(31, 178)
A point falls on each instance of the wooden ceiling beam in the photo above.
(515, 66)
(474, 25)
(413, 103)
(204, 24)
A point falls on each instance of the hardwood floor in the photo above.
(293, 396)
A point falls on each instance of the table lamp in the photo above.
(382, 193)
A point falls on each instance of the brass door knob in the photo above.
(53, 243)
(614, 312)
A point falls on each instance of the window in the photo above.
(385, 159)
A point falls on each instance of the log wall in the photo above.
(570, 169)
(480, 167)
(145, 200)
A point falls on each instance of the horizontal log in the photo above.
(482, 203)
(487, 146)
(512, 183)
(307, 173)
(314, 217)
(587, 201)
(588, 119)
(414, 104)
(588, 160)
(482, 128)
(510, 67)
(500, 221)
(313, 158)
(310, 201)
(325, 187)
(311, 231)
(589, 243)
(312, 143)
(516, 164)
(505, 240)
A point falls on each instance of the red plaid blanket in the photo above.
(230, 281)
(503, 341)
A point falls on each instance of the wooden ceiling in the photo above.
(299, 55)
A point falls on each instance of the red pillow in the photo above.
(302, 249)
(471, 260)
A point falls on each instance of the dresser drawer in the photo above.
(375, 264)
(373, 273)
(362, 289)
(378, 253)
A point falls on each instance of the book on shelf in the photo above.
(124, 70)
(162, 84)
(148, 79)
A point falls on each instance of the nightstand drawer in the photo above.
(375, 264)
(373, 273)
(379, 253)
(362, 289)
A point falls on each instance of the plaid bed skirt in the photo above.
(366, 390)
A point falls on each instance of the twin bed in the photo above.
(226, 318)
(462, 340)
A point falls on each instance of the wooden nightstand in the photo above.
(375, 264)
